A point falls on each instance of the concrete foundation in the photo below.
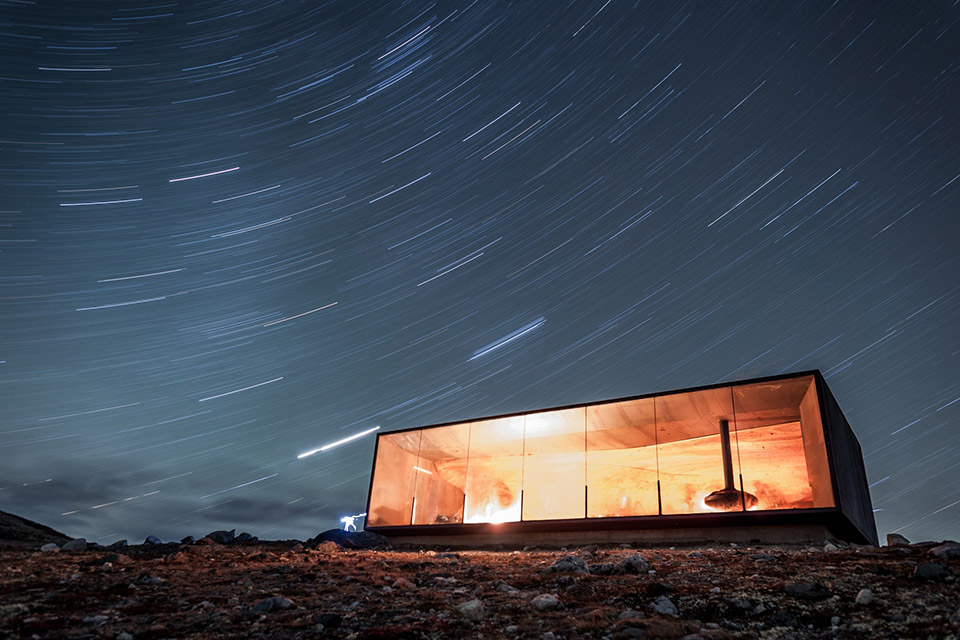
(784, 534)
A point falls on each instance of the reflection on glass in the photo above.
(782, 451)
(621, 459)
(495, 471)
(691, 454)
(394, 479)
(554, 465)
(441, 472)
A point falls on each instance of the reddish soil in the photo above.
(169, 591)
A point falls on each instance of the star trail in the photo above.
(232, 232)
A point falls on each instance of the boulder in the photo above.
(664, 606)
(50, 547)
(933, 571)
(896, 540)
(188, 540)
(864, 597)
(272, 604)
(808, 590)
(119, 544)
(245, 537)
(545, 602)
(946, 550)
(77, 544)
(152, 540)
(569, 563)
(471, 610)
(222, 536)
(349, 539)
(635, 564)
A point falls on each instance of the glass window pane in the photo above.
(694, 469)
(394, 479)
(441, 472)
(782, 451)
(495, 470)
(621, 459)
(554, 465)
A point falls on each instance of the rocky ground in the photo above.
(254, 589)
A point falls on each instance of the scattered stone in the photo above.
(503, 587)
(548, 635)
(762, 557)
(896, 540)
(655, 589)
(931, 571)
(946, 550)
(50, 547)
(403, 583)
(864, 597)
(77, 544)
(808, 590)
(694, 554)
(635, 564)
(605, 569)
(448, 556)
(471, 610)
(329, 620)
(829, 546)
(123, 635)
(740, 605)
(222, 536)
(95, 619)
(148, 579)
(784, 618)
(631, 614)
(569, 563)
(511, 629)
(275, 603)
(152, 540)
(545, 602)
(664, 606)
(835, 621)
(188, 540)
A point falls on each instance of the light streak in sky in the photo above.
(337, 443)
(145, 275)
(228, 393)
(299, 315)
(510, 337)
(203, 175)
(91, 204)
(747, 197)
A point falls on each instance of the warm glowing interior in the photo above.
(647, 457)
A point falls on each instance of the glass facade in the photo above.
(757, 446)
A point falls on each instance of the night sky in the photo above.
(233, 232)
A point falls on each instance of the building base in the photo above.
(781, 534)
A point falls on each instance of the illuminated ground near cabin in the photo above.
(213, 591)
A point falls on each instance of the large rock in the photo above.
(50, 547)
(77, 544)
(946, 550)
(349, 539)
(929, 571)
(272, 604)
(808, 590)
(635, 564)
(896, 540)
(222, 536)
(471, 610)
(152, 540)
(569, 563)
(664, 606)
(545, 602)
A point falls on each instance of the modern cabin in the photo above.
(771, 459)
